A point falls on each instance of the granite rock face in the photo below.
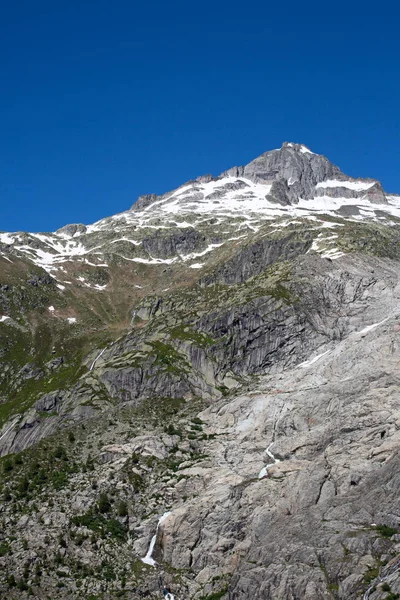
(166, 246)
(295, 164)
(203, 392)
(289, 173)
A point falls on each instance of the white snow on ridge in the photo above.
(196, 198)
(250, 202)
(151, 261)
(393, 199)
(350, 185)
(124, 239)
(305, 150)
(332, 253)
(319, 245)
(202, 253)
(209, 204)
(3, 318)
(5, 238)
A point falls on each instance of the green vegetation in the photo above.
(371, 574)
(4, 549)
(385, 531)
(198, 338)
(122, 509)
(369, 238)
(169, 359)
(216, 595)
(34, 470)
(104, 526)
(104, 503)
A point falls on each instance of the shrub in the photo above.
(385, 531)
(60, 453)
(104, 503)
(23, 486)
(100, 524)
(122, 509)
(4, 549)
(7, 466)
(22, 585)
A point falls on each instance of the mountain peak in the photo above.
(302, 148)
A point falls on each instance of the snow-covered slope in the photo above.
(279, 187)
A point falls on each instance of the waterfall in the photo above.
(96, 359)
(147, 559)
(264, 470)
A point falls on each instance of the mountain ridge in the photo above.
(300, 184)
(202, 391)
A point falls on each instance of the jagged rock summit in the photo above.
(286, 176)
(202, 392)
(280, 185)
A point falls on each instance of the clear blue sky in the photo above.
(102, 101)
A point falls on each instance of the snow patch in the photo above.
(308, 363)
(51, 308)
(198, 254)
(3, 318)
(5, 238)
(332, 253)
(350, 185)
(124, 239)
(305, 150)
(151, 261)
(71, 320)
(371, 327)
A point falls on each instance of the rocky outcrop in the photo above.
(184, 241)
(208, 398)
(255, 258)
(72, 229)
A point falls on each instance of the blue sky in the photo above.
(103, 101)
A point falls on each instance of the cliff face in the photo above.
(225, 355)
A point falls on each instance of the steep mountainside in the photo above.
(203, 392)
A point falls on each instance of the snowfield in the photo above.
(219, 203)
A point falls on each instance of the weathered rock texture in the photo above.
(223, 378)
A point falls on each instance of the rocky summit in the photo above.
(203, 393)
